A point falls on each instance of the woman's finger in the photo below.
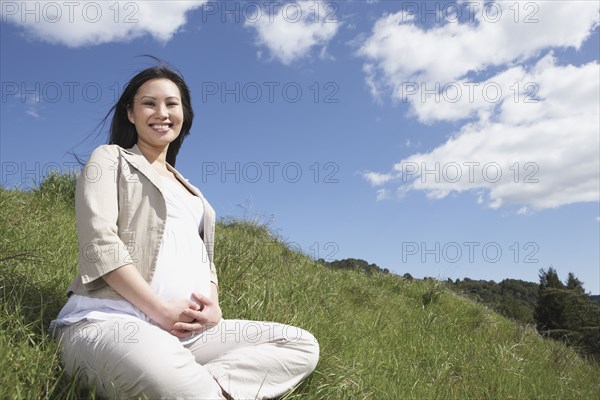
(195, 315)
(186, 316)
(201, 299)
(180, 334)
(182, 326)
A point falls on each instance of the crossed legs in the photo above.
(129, 358)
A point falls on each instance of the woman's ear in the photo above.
(130, 114)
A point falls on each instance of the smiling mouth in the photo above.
(161, 127)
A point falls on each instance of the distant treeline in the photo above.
(512, 298)
(355, 264)
(561, 311)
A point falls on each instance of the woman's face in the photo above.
(157, 112)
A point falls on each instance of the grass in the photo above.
(381, 337)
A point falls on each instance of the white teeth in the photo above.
(160, 127)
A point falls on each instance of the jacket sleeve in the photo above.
(210, 237)
(101, 250)
(213, 274)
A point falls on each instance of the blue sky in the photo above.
(437, 138)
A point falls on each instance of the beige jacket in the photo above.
(121, 215)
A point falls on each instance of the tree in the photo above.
(549, 310)
(567, 313)
(574, 284)
(550, 279)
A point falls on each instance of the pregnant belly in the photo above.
(182, 268)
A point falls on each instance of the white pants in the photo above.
(129, 358)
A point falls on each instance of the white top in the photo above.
(182, 266)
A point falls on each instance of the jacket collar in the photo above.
(138, 160)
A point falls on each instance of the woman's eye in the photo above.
(152, 104)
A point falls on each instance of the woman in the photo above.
(143, 316)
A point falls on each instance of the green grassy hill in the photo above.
(381, 337)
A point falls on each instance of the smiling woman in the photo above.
(156, 112)
(143, 315)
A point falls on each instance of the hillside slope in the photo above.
(381, 337)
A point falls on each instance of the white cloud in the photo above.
(376, 178)
(480, 199)
(544, 117)
(33, 103)
(408, 143)
(292, 30)
(522, 211)
(33, 113)
(82, 23)
(29, 100)
(382, 194)
(405, 52)
(372, 83)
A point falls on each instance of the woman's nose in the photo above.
(161, 110)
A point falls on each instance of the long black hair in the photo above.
(123, 132)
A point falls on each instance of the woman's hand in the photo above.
(175, 311)
(200, 320)
(128, 282)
